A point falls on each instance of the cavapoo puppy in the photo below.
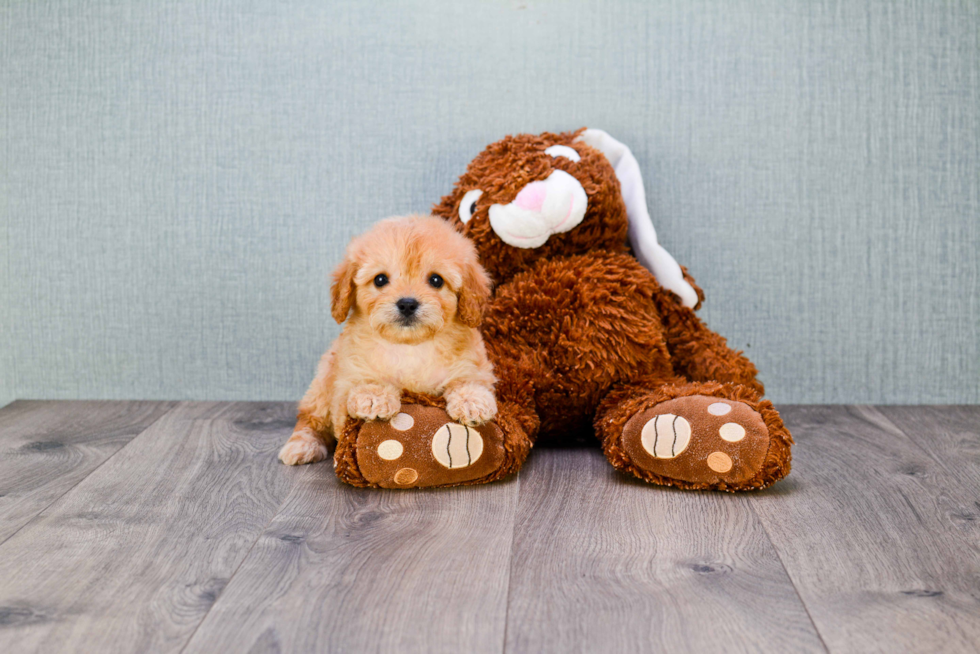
(414, 292)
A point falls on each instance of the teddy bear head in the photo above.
(531, 197)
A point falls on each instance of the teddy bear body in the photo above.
(580, 325)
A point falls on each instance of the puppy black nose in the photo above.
(407, 306)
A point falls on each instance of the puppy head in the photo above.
(410, 277)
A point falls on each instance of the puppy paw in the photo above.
(471, 404)
(302, 447)
(373, 402)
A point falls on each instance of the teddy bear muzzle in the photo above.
(550, 206)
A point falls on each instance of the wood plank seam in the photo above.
(870, 530)
(940, 461)
(333, 550)
(75, 485)
(190, 507)
(510, 562)
(779, 557)
(238, 567)
(620, 565)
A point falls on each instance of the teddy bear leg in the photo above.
(422, 447)
(699, 354)
(699, 435)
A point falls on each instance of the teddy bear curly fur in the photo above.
(583, 338)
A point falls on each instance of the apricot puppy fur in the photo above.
(415, 293)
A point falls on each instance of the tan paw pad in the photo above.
(732, 432)
(456, 446)
(402, 422)
(719, 408)
(406, 476)
(666, 436)
(390, 450)
(719, 462)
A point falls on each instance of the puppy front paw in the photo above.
(302, 447)
(373, 402)
(471, 404)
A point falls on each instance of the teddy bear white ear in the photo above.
(643, 237)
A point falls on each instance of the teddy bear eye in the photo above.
(467, 206)
(563, 151)
(381, 280)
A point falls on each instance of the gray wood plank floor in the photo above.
(157, 527)
(48, 447)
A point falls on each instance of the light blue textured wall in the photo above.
(179, 178)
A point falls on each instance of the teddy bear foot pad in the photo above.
(422, 447)
(701, 439)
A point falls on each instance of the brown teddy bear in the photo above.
(591, 326)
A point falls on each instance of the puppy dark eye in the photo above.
(380, 280)
(435, 281)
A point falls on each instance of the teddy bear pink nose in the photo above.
(532, 196)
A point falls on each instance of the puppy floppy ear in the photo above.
(473, 295)
(342, 291)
